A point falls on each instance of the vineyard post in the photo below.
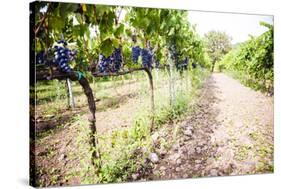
(171, 87)
(70, 96)
(173, 81)
(156, 75)
(148, 71)
(186, 75)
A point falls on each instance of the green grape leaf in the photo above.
(106, 47)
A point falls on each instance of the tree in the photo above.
(217, 45)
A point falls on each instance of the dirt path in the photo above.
(229, 133)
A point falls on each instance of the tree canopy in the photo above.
(217, 45)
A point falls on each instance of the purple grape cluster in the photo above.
(104, 64)
(61, 56)
(185, 62)
(136, 51)
(62, 42)
(194, 65)
(182, 64)
(146, 56)
(41, 58)
(112, 63)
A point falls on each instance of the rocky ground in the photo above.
(230, 132)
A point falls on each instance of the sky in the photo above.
(238, 26)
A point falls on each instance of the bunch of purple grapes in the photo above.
(112, 63)
(117, 59)
(146, 56)
(194, 65)
(185, 62)
(182, 64)
(41, 58)
(136, 51)
(104, 64)
(61, 55)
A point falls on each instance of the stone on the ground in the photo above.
(214, 172)
(178, 161)
(187, 132)
(175, 147)
(174, 157)
(191, 151)
(154, 137)
(162, 151)
(198, 161)
(198, 150)
(153, 157)
(162, 168)
(62, 157)
(135, 176)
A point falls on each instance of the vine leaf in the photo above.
(106, 47)
(119, 31)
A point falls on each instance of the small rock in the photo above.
(156, 172)
(178, 161)
(187, 132)
(174, 157)
(202, 143)
(210, 161)
(220, 173)
(144, 150)
(198, 150)
(62, 157)
(198, 161)
(154, 137)
(153, 157)
(214, 172)
(191, 151)
(162, 151)
(178, 169)
(183, 149)
(205, 148)
(175, 147)
(189, 128)
(197, 167)
(135, 176)
(162, 168)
